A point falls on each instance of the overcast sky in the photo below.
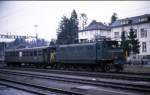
(20, 17)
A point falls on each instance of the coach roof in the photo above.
(42, 47)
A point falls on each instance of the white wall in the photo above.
(89, 35)
(138, 27)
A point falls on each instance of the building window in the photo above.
(135, 31)
(143, 32)
(125, 22)
(116, 34)
(143, 19)
(144, 47)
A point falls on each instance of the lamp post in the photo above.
(36, 26)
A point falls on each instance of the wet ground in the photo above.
(4, 90)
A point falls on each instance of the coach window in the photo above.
(13, 53)
(31, 53)
(35, 53)
(17, 54)
(23, 53)
(26, 53)
(10, 53)
(39, 53)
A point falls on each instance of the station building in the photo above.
(94, 31)
(140, 24)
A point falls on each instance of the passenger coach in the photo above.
(39, 56)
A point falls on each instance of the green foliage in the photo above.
(68, 30)
(124, 43)
(114, 17)
(63, 31)
(130, 43)
(133, 41)
(52, 42)
(17, 43)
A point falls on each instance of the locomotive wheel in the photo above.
(107, 68)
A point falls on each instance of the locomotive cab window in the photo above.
(112, 44)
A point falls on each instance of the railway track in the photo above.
(122, 75)
(28, 86)
(140, 86)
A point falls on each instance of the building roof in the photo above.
(96, 26)
(132, 21)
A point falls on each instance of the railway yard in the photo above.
(88, 53)
(98, 68)
(62, 82)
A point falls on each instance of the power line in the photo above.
(7, 36)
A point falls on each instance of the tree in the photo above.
(63, 31)
(68, 30)
(74, 27)
(17, 43)
(52, 42)
(124, 43)
(83, 20)
(114, 17)
(133, 42)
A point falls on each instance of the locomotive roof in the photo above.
(81, 44)
(42, 47)
(85, 44)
